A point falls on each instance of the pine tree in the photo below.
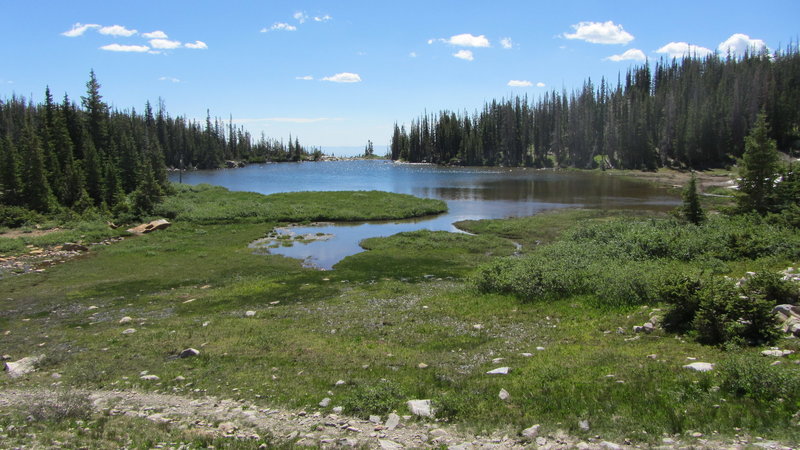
(691, 210)
(760, 165)
(36, 193)
(11, 189)
(97, 113)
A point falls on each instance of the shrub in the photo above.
(749, 375)
(375, 398)
(772, 287)
(681, 293)
(66, 405)
(17, 216)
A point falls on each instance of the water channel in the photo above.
(470, 193)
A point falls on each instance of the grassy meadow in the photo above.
(412, 298)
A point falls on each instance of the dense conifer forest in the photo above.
(681, 113)
(64, 155)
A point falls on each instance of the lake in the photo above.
(470, 193)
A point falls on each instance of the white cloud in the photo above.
(633, 54)
(506, 43)
(306, 77)
(158, 34)
(172, 79)
(681, 49)
(600, 33)
(431, 41)
(412, 54)
(78, 29)
(197, 45)
(465, 55)
(520, 83)
(467, 40)
(540, 84)
(738, 44)
(164, 44)
(324, 18)
(117, 30)
(300, 16)
(280, 26)
(344, 77)
(125, 48)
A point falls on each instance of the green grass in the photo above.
(375, 317)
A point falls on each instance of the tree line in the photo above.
(64, 155)
(682, 113)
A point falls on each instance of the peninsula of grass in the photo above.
(421, 297)
(206, 204)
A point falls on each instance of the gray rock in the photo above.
(499, 371)
(392, 421)
(125, 319)
(325, 402)
(504, 395)
(22, 366)
(339, 383)
(420, 408)
(386, 444)
(776, 352)
(337, 409)
(129, 331)
(189, 352)
(648, 327)
(375, 419)
(531, 433)
(149, 377)
(583, 425)
(250, 314)
(610, 445)
(700, 366)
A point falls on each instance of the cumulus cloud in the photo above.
(344, 77)
(158, 34)
(171, 79)
(117, 30)
(324, 18)
(197, 45)
(738, 44)
(164, 44)
(465, 55)
(78, 29)
(681, 49)
(300, 16)
(506, 43)
(467, 40)
(633, 54)
(306, 77)
(520, 83)
(600, 33)
(125, 48)
(540, 84)
(280, 26)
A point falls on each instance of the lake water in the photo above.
(470, 193)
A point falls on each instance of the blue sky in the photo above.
(337, 73)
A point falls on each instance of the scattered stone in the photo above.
(375, 419)
(189, 352)
(700, 366)
(325, 402)
(249, 313)
(392, 421)
(179, 378)
(776, 363)
(5, 358)
(539, 349)
(339, 383)
(386, 444)
(129, 331)
(275, 302)
(652, 356)
(477, 326)
(776, 352)
(583, 425)
(697, 434)
(55, 375)
(337, 409)
(227, 428)
(149, 377)
(73, 247)
(499, 371)
(531, 433)
(149, 227)
(526, 355)
(22, 366)
(504, 395)
(610, 445)
(125, 319)
(422, 366)
(420, 408)
(91, 308)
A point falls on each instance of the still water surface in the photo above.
(470, 193)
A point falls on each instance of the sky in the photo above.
(336, 74)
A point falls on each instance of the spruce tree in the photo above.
(691, 210)
(36, 193)
(760, 165)
(11, 193)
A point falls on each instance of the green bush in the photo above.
(682, 294)
(772, 287)
(17, 216)
(749, 375)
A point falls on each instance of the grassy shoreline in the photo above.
(378, 316)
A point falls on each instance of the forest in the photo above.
(64, 155)
(688, 113)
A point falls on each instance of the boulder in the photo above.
(420, 408)
(189, 352)
(325, 402)
(149, 227)
(531, 433)
(700, 366)
(776, 352)
(392, 421)
(22, 366)
(499, 371)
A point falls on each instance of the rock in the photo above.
(149, 377)
(22, 366)
(392, 421)
(504, 395)
(73, 247)
(250, 314)
(610, 445)
(700, 366)
(325, 402)
(386, 444)
(339, 383)
(227, 427)
(5, 358)
(125, 319)
(437, 434)
(648, 327)
(337, 409)
(652, 356)
(179, 378)
(420, 408)
(583, 425)
(526, 355)
(477, 326)
(129, 331)
(499, 371)
(189, 352)
(375, 419)
(422, 366)
(539, 349)
(149, 227)
(776, 353)
(531, 433)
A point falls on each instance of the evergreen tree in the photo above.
(10, 173)
(760, 165)
(36, 192)
(691, 210)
